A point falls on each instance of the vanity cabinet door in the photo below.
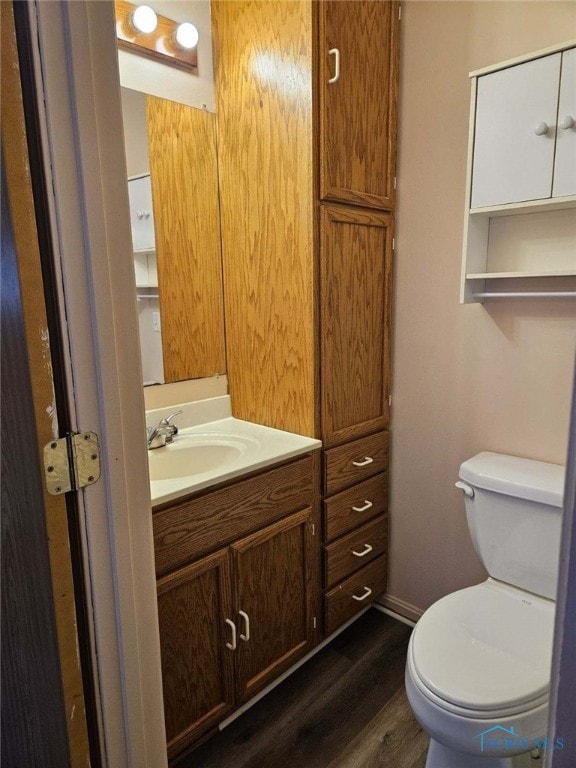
(197, 666)
(273, 600)
(358, 74)
(565, 158)
(355, 283)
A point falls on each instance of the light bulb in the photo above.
(144, 19)
(186, 35)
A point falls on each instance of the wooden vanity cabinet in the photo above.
(233, 620)
(306, 118)
(357, 94)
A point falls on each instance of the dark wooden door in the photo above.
(197, 666)
(358, 50)
(355, 282)
(273, 600)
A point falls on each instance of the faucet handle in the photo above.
(166, 422)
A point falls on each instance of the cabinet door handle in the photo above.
(566, 122)
(367, 504)
(366, 594)
(233, 644)
(367, 549)
(246, 634)
(336, 53)
(364, 463)
(541, 129)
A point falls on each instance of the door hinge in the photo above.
(399, 13)
(393, 243)
(389, 400)
(395, 182)
(72, 462)
(314, 622)
(313, 529)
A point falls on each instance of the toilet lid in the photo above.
(486, 647)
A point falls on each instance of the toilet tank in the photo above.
(514, 513)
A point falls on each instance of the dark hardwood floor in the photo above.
(345, 708)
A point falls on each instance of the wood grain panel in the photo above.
(263, 55)
(339, 558)
(358, 112)
(339, 603)
(215, 518)
(272, 571)
(340, 470)
(34, 733)
(197, 668)
(341, 512)
(183, 171)
(355, 285)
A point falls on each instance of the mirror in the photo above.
(174, 210)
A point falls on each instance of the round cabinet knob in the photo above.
(541, 129)
(566, 122)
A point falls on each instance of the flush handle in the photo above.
(468, 490)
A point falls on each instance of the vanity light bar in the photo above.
(166, 41)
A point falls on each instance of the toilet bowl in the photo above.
(479, 660)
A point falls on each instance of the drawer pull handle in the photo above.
(367, 549)
(364, 463)
(366, 594)
(367, 504)
(233, 644)
(246, 634)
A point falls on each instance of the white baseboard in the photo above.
(398, 608)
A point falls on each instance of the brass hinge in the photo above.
(313, 530)
(395, 182)
(314, 622)
(72, 462)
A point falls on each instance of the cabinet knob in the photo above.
(566, 122)
(541, 129)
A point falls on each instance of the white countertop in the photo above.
(208, 425)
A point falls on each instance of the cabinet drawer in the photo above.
(202, 524)
(355, 550)
(350, 463)
(349, 597)
(357, 505)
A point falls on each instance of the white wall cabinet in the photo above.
(565, 161)
(514, 134)
(522, 160)
(141, 214)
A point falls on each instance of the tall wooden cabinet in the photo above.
(306, 120)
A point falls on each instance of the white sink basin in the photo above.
(190, 455)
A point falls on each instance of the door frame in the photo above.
(76, 76)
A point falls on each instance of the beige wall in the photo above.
(465, 378)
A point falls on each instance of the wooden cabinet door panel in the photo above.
(565, 159)
(197, 668)
(511, 162)
(355, 281)
(272, 574)
(357, 112)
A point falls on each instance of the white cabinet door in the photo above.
(513, 157)
(141, 215)
(565, 160)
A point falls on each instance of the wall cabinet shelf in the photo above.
(521, 165)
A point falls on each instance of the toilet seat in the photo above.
(496, 651)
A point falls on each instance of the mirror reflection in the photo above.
(174, 211)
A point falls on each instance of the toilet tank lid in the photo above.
(537, 481)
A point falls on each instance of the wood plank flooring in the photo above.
(345, 708)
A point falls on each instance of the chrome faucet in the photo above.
(157, 437)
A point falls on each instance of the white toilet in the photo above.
(478, 667)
